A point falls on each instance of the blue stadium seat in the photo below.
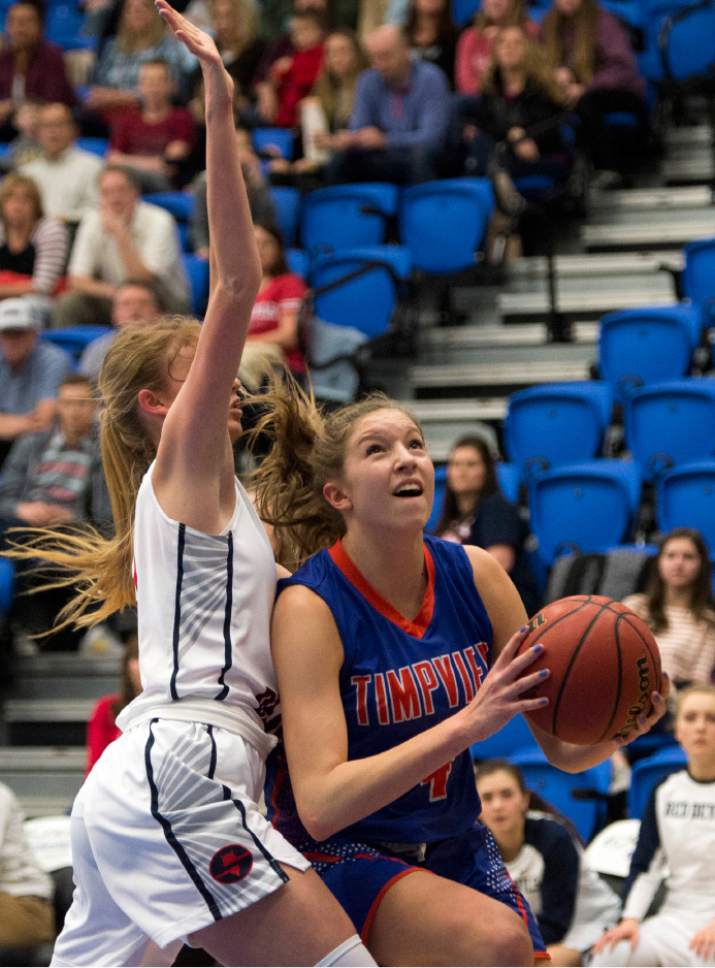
(647, 773)
(345, 216)
(7, 585)
(509, 480)
(272, 140)
(178, 204)
(74, 339)
(671, 423)
(286, 202)
(686, 44)
(440, 482)
(557, 788)
(197, 273)
(641, 346)
(557, 423)
(699, 278)
(298, 262)
(586, 507)
(685, 498)
(97, 146)
(367, 301)
(511, 740)
(443, 223)
(464, 10)
(64, 25)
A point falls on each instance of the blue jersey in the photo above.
(400, 677)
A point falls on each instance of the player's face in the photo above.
(695, 725)
(679, 563)
(388, 476)
(503, 803)
(178, 372)
(466, 471)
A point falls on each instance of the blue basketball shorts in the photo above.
(360, 874)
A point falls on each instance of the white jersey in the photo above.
(204, 607)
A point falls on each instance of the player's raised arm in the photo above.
(194, 442)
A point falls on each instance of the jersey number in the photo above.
(438, 782)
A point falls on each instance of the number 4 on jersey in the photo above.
(438, 782)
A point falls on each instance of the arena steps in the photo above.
(493, 378)
(45, 779)
(70, 675)
(646, 199)
(649, 228)
(46, 722)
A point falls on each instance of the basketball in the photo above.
(604, 666)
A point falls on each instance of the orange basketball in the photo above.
(604, 666)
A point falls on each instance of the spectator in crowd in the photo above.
(292, 77)
(476, 43)
(676, 847)
(400, 117)
(282, 46)
(432, 35)
(30, 67)
(474, 512)
(141, 37)
(30, 374)
(155, 139)
(50, 479)
(136, 303)
(33, 247)
(102, 728)
(25, 146)
(330, 104)
(65, 174)
(26, 914)
(274, 319)
(124, 238)
(544, 858)
(678, 606)
(235, 25)
(590, 55)
(259, 196)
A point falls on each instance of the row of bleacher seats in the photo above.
(582, 797)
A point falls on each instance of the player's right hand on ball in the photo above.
(625, 930)
(501, 695)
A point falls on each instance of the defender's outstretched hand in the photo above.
(198, 42)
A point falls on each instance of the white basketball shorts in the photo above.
(166, 839)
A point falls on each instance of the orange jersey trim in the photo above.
(415, 627)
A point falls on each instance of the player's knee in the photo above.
(500, 939)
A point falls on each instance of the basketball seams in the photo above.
(572, 659)
(619, 677)
(655, 662)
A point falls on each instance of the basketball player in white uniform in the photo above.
(168, 843)
(676, 844)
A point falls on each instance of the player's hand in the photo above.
(501, 695)
(703, 942)
(197, 41)
(646, 721)
(625, 930)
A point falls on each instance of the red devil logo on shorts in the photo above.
(230, 864)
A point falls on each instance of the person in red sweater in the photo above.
(154, 140)
(476, 43)
(274, 319)
(101, 728)
(293, 76)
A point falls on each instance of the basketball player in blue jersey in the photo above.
(395, 652)
(168, 844)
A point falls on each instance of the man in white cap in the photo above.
(30, 373)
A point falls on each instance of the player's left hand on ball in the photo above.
(646, 721)
(703, 942)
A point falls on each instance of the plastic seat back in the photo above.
(641, 346)
(197, 274)
(685, 498)
(587, 507)
(686, 43)
(511, 740)
(277, 142)
(699, 277)
(74, 339)
(443, 223)
(672, 423)
(286, 202)
(346, 216)
(440, 483)
(178, 204)
(557, 788)
(509, 480)
(368, 296)
(464, 10)
(556, 423)
(647, 773)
